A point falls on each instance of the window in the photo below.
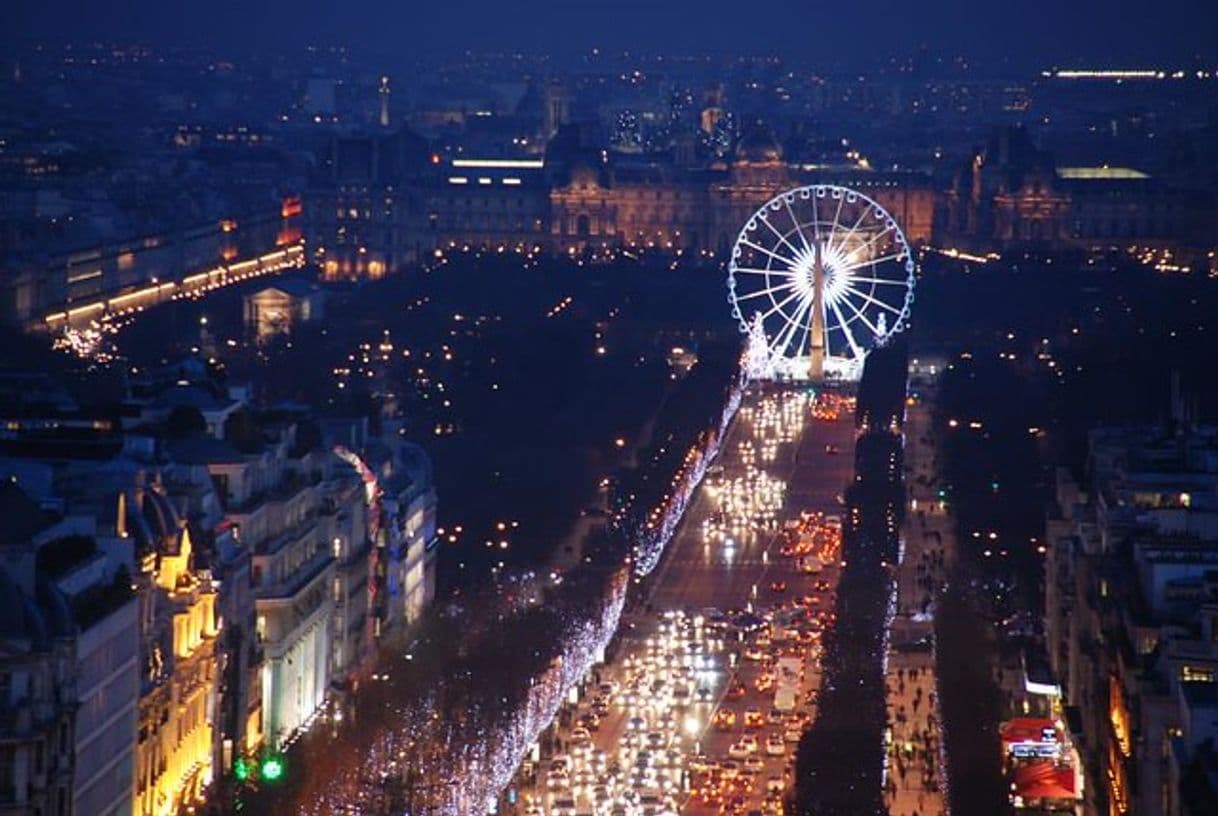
(1196, 674)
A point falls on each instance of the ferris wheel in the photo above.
(819, 276)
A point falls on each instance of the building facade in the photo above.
(385, 201)
(176, 750)
(1131, 605)
(1012, 194)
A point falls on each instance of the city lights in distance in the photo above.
(500, 164)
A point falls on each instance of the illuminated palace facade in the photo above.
(381, 202)
(179, 683)
(1013, 194)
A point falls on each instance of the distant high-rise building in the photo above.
(558, 107)
(712, 109)
(384, 94)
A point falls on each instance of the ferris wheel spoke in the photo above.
(890, 282)
(896, 256)
(753, 270)
(797, 322)
(777, 307)
(803, 239)
(870, 241)
(767, 291)
(838, 247)
(780, 236)
(855, 348)
(776, 256)
(815, 219)
(837, 219)
(870, 299)
(874, 329)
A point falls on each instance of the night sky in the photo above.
(1022, 33)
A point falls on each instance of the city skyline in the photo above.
(1039, 34)
(608, 409)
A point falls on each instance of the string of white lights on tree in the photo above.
(653, 535)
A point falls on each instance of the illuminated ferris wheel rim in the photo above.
(822, 235)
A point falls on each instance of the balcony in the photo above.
(272, 545)
(285, 490)
(298, 580)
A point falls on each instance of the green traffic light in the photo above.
(241, 769)
(272, 768)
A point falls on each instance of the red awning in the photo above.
(1044, 780)
(1026, 729)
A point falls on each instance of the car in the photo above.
(590, 721)
(736, 690)
(581, 735)
(750, 744)
(738, 750)
(725, 719)
(774, 784)
(754, 765)
(764, 682)
(774, 746)
(832, 450)
(778, 586)
(753, 718)
(636, 723)
(792, 734)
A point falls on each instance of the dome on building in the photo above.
(758, 145)
(571, 160)
(152, 519)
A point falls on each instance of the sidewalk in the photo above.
(914, 781)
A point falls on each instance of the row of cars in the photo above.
(645, 720)
(768, 704)
(704, 714)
